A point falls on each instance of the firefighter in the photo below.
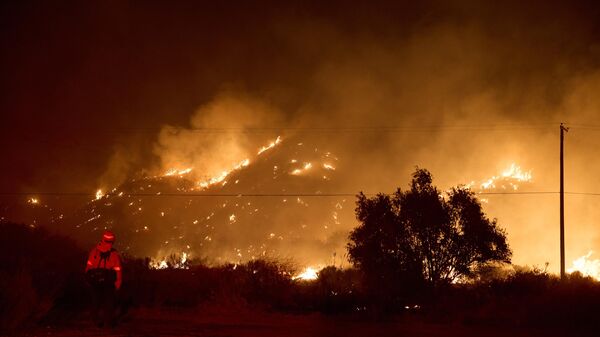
(104, 275)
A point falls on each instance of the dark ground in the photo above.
(224, 322)
(43, 293)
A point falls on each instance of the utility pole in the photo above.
(563, 129)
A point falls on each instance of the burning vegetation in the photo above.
(462, 100)
(248, 155)
(509, 179)
(173, 214)
(249, 212)
(586, 266)
(520, 299)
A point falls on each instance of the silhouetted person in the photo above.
(103, 273)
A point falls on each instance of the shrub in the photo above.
(36, 268)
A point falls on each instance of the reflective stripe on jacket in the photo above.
(112, 262)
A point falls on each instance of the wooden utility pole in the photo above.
(563, 129)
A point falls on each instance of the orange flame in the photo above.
(174, 171)
(270, 146)
(509, 178)
(586, 266)
(308, 274)
(299, 171)
(99, 194)
(221, 177)
(162, 263)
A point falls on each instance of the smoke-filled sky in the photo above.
(94, 94)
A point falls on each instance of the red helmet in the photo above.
(108, 236)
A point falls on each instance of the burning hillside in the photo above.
(263, 207)
(281, 203)
(510, 180)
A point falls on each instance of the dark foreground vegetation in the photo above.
(42, 282)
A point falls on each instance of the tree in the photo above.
(423, 237)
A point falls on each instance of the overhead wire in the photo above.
(196, 194)
(411, 128)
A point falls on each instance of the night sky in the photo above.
(88, 89)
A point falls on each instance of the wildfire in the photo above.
(586, 266)
(270, 146)
(515, 172)
(308, 274)
(509, 178)
(220, 178)
(163, 264)
(223, 175)
(215, 180)
(173, 172)
(33, 201)
(159, 264)
(306, 167)
(99, 194)
(243, 163)
(152, 216)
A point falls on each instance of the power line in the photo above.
(583, 193)
(583, 126)
(397, 128)
(99, 144)
(84, 194)
(413, 128)
(179, 194)
(516, 193)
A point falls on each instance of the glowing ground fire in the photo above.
(171, 254)
(176, 172)
(99, 194)
(221, 177)
(511, 178)
(175, 264)
(586, 266)
(308, 274)
(304, 168)
(270, 146)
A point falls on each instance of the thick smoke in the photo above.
(127, 161)
(468, 99)
(462, 98)
(220, 135)
(463, 90)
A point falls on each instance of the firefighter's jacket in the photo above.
(112, 262)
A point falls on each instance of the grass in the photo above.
(41, 282)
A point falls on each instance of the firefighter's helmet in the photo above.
(108, 236)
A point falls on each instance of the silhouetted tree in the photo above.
(423, 237)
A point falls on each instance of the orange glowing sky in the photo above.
(96, 95)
